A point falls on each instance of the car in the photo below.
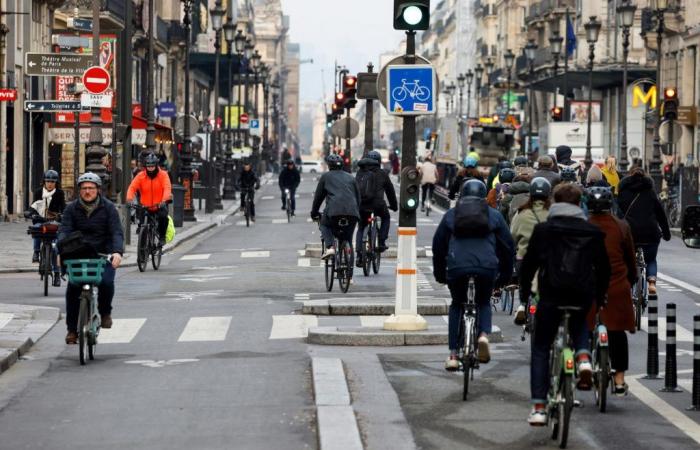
(312, 167)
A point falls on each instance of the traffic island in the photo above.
(372, 307)
(378, 337)
(313, 250)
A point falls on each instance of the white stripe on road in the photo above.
(373, 321)
(292, 326)
(195, 257)
(682, 334)
(5, 319)
(201, 329)
(267, 197)
(123, 331)
(259, 254)
(304, 262)
(278, 221)
(679, 283)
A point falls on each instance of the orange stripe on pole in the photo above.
(406, 271)
(407, 232)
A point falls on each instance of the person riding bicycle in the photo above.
(497, 196)
(472, 240)
(97, 220)
(373, 184)
(154, 190)
(642, 209)
(339, 189)
(546, 170)
(248, 182)
(429, 176)
(569, 255)
(289, 179)
(49, 203)
(469, 172)
(618, 314)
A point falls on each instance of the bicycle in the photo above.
(339, 265)
(47, 232)
(505, 297)
(639, 290)
(420, 93)
(530, 311)
(88, 273)
(288, 203)
(248, 206)
(148, 244)
(670, 201)
(371, 257)
(602, 371)
(468, 334)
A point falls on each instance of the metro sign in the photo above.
(638, 95)
(8, 95)
(96, 80)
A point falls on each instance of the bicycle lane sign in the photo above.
(411, 89)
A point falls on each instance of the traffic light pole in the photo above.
(348, 146)
(406, 317)
(369, 120)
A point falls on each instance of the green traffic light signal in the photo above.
(411, 14)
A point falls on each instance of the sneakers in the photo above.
(106, 321)
(328, 253)
(72, 338)
(651, 281)
(284, 207)
(382, 247)
(358, 263)
(585, 375)
(292, 213)
(56, 279)
(452, 363)
(484, 353)
(35, 257)
(520, 316)
(538, 416)
(621, 390)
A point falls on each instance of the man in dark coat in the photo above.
(248, 182)
(289, 179)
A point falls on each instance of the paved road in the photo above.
(209, 353)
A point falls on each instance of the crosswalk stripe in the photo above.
(5, 319)
(123, 331)
(304, 262)
(258, 254)
(682, 334)
(292, 326)
(195, 257)
(267, 197)
(201, 329)
(278, 221)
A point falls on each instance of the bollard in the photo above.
(671, 375)
(653, 338)
(696, 365)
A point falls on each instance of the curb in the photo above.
(21, 333)
(329, 308)
(377, 337)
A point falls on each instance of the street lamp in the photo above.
(555, 43)
(229, 172)
(255, 63)
(239, 42)
(660, 7)
(470, 78)
(592, 30)
(530, 54)
(186, 154)
(479, 74)
(460, 83)
(247, 53)
(217, 18)
(489, 70)
(451, 89)
(509, 58)
(625, 14)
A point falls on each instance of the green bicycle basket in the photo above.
(85, 271)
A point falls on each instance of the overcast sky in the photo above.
(352, 31)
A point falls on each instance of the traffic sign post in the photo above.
(96, 100)
(244, 121)
(56, 64)
(167, 109)
(411, 89)
(96, 80)
(52, 106)
(255, 127)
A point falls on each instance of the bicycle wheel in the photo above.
(289, 209)
(156, 250)
(330, 273)
(564, 411)
(638, 310)
(83, 314)
(601, 359)
(376, 256)
(45, 266)
(468, 358)
(366, 255)
(344, 267)
(247, 212)
(142, 249)
(510, 294)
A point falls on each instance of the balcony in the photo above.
(176, 32)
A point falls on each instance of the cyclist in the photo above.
(569, 255)
(640, 206)
(563, 153)
(493, 173)
(289, 179)
(248, 182)
(546, 170)
(154, 189)
(97, 219)
(373, 184)
(472, 240)
(469, 172)
(496, 196)
(429, 176)
(533, 212)
(49, 203)
(618, 314)
(339, 189)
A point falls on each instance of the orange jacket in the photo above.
(152, 191)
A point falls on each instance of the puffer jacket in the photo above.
(102, 229)
(640, 207)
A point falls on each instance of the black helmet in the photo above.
(521, 161)
(506, 175)
(569, 174)
(150, 160)
(474, 188)
(375, 155)
(505, 165)
(334, 162)
(600, 199)
(540, 189)
(51, 175)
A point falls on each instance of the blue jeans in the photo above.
(105, 294)
(547, 320)
(482, 297)
(650, 251)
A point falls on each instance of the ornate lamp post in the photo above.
(446, 92)
(151, 127)
(229, 185)
(555, 43)
(239, 41)
(625, 14)
(489, 71)
(530, 53)
(660, 7)
(247, 53)
(217, 18)
(451, 89)
(265, 73)
(479, 73)
(592, 30)
(186, 156)
(509, 59)
(255, 64)
(460, 84)
(470, 78)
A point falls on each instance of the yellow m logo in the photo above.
(638, 95)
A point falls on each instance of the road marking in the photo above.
(428, 253)
(425, 220)
(240, 223)
(304, 262)
(679, 283)
(5, 319)
(195, 257)
(201, 329)
(205, 278)
(189, 296)
(267, 197)
(258, 254)
(292, 326)
(156, 364)
(123, 331)
(278, 221)
(301, 252)
(373, 321)
(682, 334)
(309, 220)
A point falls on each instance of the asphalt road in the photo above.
(208, 353)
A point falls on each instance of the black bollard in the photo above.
(696, 365)
(653, 338)
(671, 375)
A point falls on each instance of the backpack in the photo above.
(569, 262)
(367, 184)
(471, 218)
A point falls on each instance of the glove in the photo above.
(315, 216)
(395, 208)
(667, 237)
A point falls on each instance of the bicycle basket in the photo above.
(85, 271)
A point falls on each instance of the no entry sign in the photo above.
(96, 80)
(244, 118)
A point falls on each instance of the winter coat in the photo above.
(524, 223)
(102, 229)
(518, 195)
(618, 315)
(339, 190)
(248, 180)
(382, 186)
(641, 208)
(490, 256)
(612, 177)
(289, 178)
(58, 200)
(463, 175)
(553, 177)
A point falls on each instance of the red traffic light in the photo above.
(339, 97)
(556, 113)
(670, 93)
(350, 81)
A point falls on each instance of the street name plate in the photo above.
(56, 64)
(52, 105)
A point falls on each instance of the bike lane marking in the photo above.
(123, 331)
(195, 257)
(202, 329)
(292, 326)
(680, 283)
(257, 254)
(5, 318)
(682, 334)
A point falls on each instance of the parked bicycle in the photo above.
(371, 257)
(468, 335)
(340, 265)
(148, 245)
(671, 202)
(639, 290)
(46, 231)
(602, 371)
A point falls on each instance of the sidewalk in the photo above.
(20, 327)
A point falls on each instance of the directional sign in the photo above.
(255, 127)
(56, 64)
(96, 80)
(67, 41)
(96, 100)
(8, 95)
(78, 23)
(52, 105)
(167, 109)
(411, 89)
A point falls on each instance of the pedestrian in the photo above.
(546, 170)
(610, 173)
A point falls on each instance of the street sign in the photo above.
(382, 78)
(167, 109)
(255, 127)
(56, 64)
(688, 115)
(8, 95)
(52, 105)
(340, 128)
(665, 132)
(96, 80)
(244, 118)
(96, 100)
(411, 89)
(67, 41)
(78, 23)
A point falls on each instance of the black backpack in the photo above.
(367, 184)
(569, 262)
(471, 218)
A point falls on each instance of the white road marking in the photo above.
(446, 319)
(5, 319)
(195, 257)
(301, 252)
(240, 223)
(204, 279)
(160, 363)
(123, 331)
(373, 321)
(304, 262)
(267, 197)
(189, 296)
(428, 253)
(421, 220)
(278, 221)
(201, 329)
(682, 334)
(292, 326)
(679, 283)
(258, 254)
(309, 220)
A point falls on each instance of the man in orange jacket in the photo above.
(154, 189)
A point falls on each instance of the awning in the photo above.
(164, 135)
(604, 78)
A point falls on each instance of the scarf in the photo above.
(566, 210)
(89, 207)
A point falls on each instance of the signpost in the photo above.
(56, 64)
(52, 105)
(255, 127)
(79, 23)
(8, 95)
(96, 80)
(244, 121)
(411, 89)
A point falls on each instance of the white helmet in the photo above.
(90, 178)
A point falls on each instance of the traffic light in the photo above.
(668, 173)
(329, 120)
(339, 103)
(350, 90)
(411, 14)
(410, 188)
(557, 114)
(670, 104)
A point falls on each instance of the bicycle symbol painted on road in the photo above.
(413, 90)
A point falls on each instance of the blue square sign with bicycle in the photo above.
(411, 89)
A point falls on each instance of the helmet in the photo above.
(569, 174)
(474, 155)
(150, 160)
(375, 155)
(540, 189)
(505, 165)
(600, 199)
(474, 188)
(506, 175)
(89, 177)
(521, 161)
(470, 161)
(50, 175)
(334, 161)
(288, 162)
